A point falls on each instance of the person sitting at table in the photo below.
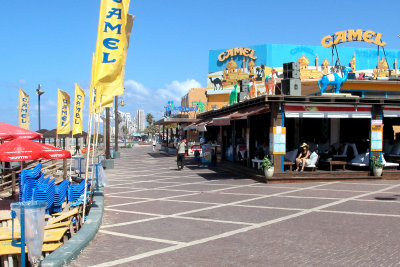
(301, 158)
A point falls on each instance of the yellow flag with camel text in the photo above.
(110, 47)
(63, 116)
(77, 119)
(23, 110)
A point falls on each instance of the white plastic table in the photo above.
(258, 161)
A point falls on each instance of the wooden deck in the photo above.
(288, 176)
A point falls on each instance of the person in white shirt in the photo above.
(180, 152)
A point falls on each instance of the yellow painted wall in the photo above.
(194, 94)
(218, 100)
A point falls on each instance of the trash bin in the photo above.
(100, 158)
(79, 164)
(31, 217)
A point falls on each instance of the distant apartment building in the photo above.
(140, 120)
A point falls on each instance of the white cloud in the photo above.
(176, 89)
(134, 88)
(22, 81)
(138, 95)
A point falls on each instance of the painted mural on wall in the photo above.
(262, 64)
(227, 67)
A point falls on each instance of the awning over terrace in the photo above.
(390, 111)
(327, 111)
(238, 115)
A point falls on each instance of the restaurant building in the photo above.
(267, 99)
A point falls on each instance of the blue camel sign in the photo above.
(333, 79)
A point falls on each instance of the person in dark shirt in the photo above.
(301, 158)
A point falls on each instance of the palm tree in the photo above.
(149, 118)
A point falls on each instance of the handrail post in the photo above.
(64, 169)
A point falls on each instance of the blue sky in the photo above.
(51, 43)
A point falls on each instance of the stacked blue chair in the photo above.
(45, 191)
(76, 190)
(28, 181)
(60, 195)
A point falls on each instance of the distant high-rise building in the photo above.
(140, 120)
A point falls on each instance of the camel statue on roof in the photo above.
(333, 79)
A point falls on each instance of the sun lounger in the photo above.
(7, 249)
(362, 160)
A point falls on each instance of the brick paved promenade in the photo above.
(158, 216)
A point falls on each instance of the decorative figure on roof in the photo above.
(333, 79)
(216, 81)
(375, 73)
(260, 71)
(251, 67)
(270, 83)
(383, 68)
(233, 95)
(353, 63)
(361, 76)
(253, 91)
(325, 66)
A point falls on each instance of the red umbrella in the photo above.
(9, 132)
(24, 149)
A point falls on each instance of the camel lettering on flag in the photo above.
(106, 101)
(63, 116)
(78, 108)
(23, 110)
(110, 47)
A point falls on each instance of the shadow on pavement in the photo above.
(386, 198)
(158, 155)
(217, 173)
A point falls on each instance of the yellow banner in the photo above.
(110, 47)
(77, 122)
(23, 110)
(107, 101)
(63, 118)
(128, 30)
(92, 95)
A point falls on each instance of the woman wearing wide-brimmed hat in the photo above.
(303, 155)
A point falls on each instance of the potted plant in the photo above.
(377, 166)
(268, 166)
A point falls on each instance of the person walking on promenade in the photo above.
(154, 144)
(180, 152)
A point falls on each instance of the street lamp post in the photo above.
(39, 92)
(116, 124)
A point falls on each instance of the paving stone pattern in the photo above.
(156, 215)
